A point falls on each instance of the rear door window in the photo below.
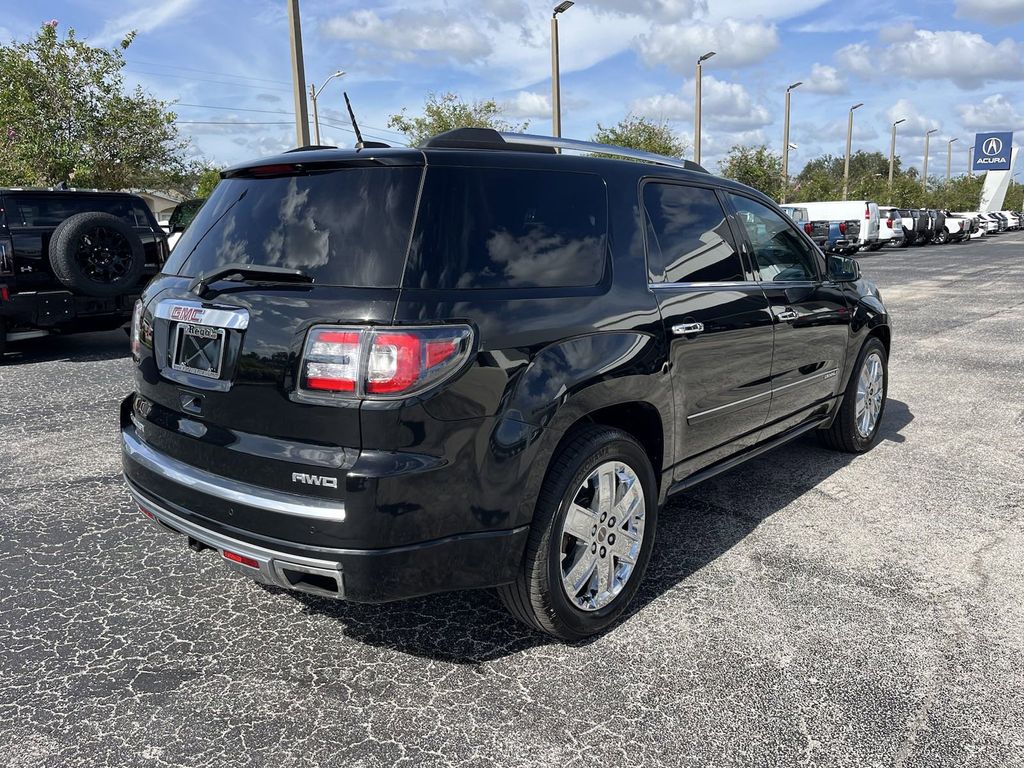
(488, 228)
(347, 227)
(688, 236)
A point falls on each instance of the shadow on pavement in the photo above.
(75, 348)
(695, 528)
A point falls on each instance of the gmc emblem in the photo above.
(187, 314)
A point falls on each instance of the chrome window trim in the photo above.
(227, 489)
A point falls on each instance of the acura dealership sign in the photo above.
(992, 151)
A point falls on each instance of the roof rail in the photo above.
(604, 149)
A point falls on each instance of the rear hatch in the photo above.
(314, 243)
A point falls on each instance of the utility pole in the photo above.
(949, 158)
(924, 176)
(970, 161)
(785, 143)
(849, 141)
(892, 150)
(556, 87)
(298, 75)
(696, 105)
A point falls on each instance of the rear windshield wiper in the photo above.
(246, 273)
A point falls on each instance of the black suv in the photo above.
(373, 374)
(73, 260)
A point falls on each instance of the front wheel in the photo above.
(591, 537)
(856, 426)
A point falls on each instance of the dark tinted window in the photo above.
(341, 227)
(780, 253)
(51, 210)
(183, 214)
(688, 238)
(508, 228)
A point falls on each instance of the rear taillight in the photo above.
(867, 212)
(888, 223)
(6, 257)
(381, 363)
(842, 227)
(808, 228)
(142, 331)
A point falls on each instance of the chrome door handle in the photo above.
(685, 329)
(787, 315)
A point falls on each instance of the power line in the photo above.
(205, 80)
(205, 71)
(280, 112)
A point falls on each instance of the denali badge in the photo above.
(322, 480)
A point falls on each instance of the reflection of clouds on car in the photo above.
(537, 257)
(307, 246)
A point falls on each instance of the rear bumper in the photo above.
(465, 561)
(58, 309)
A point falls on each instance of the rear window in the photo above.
(481, 228)
(341, 227)
(51, 210)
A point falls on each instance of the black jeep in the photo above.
(373, 374)
(73, 260)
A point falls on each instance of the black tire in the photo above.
(96, 254)
(537, 597)
(843, 434)
(941, 238)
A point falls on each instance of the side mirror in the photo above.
(842, 269)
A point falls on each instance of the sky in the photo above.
(953, 65)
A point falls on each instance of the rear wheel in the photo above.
(591, 536)
(942, 237)
(856, 426)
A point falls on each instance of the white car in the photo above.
(890, 226)
(864, 211)
(1013, 220)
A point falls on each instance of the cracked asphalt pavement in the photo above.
(807, 608)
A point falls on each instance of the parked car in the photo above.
(938, 226)
(865, 212)
(910, 217)
(956, 228)
(73, 260)
(926, 227)
(465, 381)
(816, 230)
(890, 228)
(838, 242)
(1012, 221)
(181, 217)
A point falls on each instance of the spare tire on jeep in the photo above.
(96, 254)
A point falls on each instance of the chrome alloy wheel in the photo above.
(870, 390)
(602, 535)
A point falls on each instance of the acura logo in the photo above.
(992, 146)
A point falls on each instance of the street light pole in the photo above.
(970, 161)
(556, 91)
(927, 138)
(298, 75)
(785, 143)
(892, 150)
(314, 94)
(696, 105)
(949, 158)
(849, 140)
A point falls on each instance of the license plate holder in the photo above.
(198, 349)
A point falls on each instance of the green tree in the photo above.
(209, 178)
(447, 111)
(67, 117)
(642, 133)
(757, 167)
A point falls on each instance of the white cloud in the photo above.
(965, 58)
(916, 123)
(993, 113)
(991, 11)
(528, 104)
(660, 10)
(145, 18)
(824, 79)
(737, 43)
(724, 105)
(411, 32)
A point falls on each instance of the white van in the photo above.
(845, 210)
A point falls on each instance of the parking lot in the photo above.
(806, 608)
